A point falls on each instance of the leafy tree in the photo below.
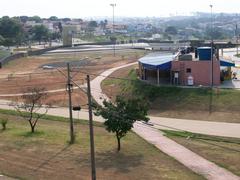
(215, 33)
(60, 27)
(66, 19)
(103, 24)
(11, 30)
(92, 25)
(53, 18)
(40, 32)
(121, 115)
(171, 30)
(1, 40)
(24, 19)
(37, 19)
(32, 102)
(113, 39)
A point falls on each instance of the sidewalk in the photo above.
(188, 158)
(154, 136)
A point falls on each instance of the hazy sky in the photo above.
(84, 8)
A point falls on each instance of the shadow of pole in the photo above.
(51, 158)
(211, 101)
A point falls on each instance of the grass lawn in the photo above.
(168, 101)
(47, 155)
(237, 55)
(4, 53)
(223, 151)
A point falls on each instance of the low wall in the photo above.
(7, 59)
(13, 57)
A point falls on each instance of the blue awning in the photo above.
(226, 63)
(157, 61)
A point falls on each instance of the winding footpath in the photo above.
(154, 136)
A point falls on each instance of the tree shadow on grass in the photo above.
(120, 161)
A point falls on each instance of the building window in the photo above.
(189, 70)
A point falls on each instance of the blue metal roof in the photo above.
(226, 63)
(157, 61)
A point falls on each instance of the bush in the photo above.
(4, 124)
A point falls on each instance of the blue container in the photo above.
(204, 53)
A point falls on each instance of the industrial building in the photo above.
(184, 68)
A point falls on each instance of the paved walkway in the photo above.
(188, 158)
(154, 136)
(204, 127)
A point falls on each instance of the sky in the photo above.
(128, 8)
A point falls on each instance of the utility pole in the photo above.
(91, 129)
(113, 30)
(211, 6)
(69, 89)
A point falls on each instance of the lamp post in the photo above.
(211, 6)
(113, 6)
(236, 34)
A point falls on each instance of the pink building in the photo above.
(184, 68)
(199, 72)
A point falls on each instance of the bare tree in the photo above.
(31, 106)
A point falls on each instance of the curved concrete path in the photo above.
(190, 159)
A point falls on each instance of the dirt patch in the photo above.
(23, 73)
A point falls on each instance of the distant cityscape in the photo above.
(196, 27)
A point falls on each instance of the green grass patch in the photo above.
(51, 117)
(171, 97)
(190, 135)
(237, 55)
(28, 155)
(4, 53)
(223, 151)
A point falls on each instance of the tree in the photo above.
(1, 40)
(121, 115)
(215, 33)
(37, 19)
(60, 27)
(11, 31)
(23, 19)
(53, 18)
(32, 103)
(92, 25)
(113, 39)
(66, 19)
(171, 30)
(40, 32)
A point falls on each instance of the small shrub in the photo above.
(4, 123)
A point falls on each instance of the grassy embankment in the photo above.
(225, 152)
(167, 101)
(47, 155)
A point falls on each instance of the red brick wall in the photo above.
(200, 70)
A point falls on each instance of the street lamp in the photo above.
(211, 6)
(113, 6)
(236, 34)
